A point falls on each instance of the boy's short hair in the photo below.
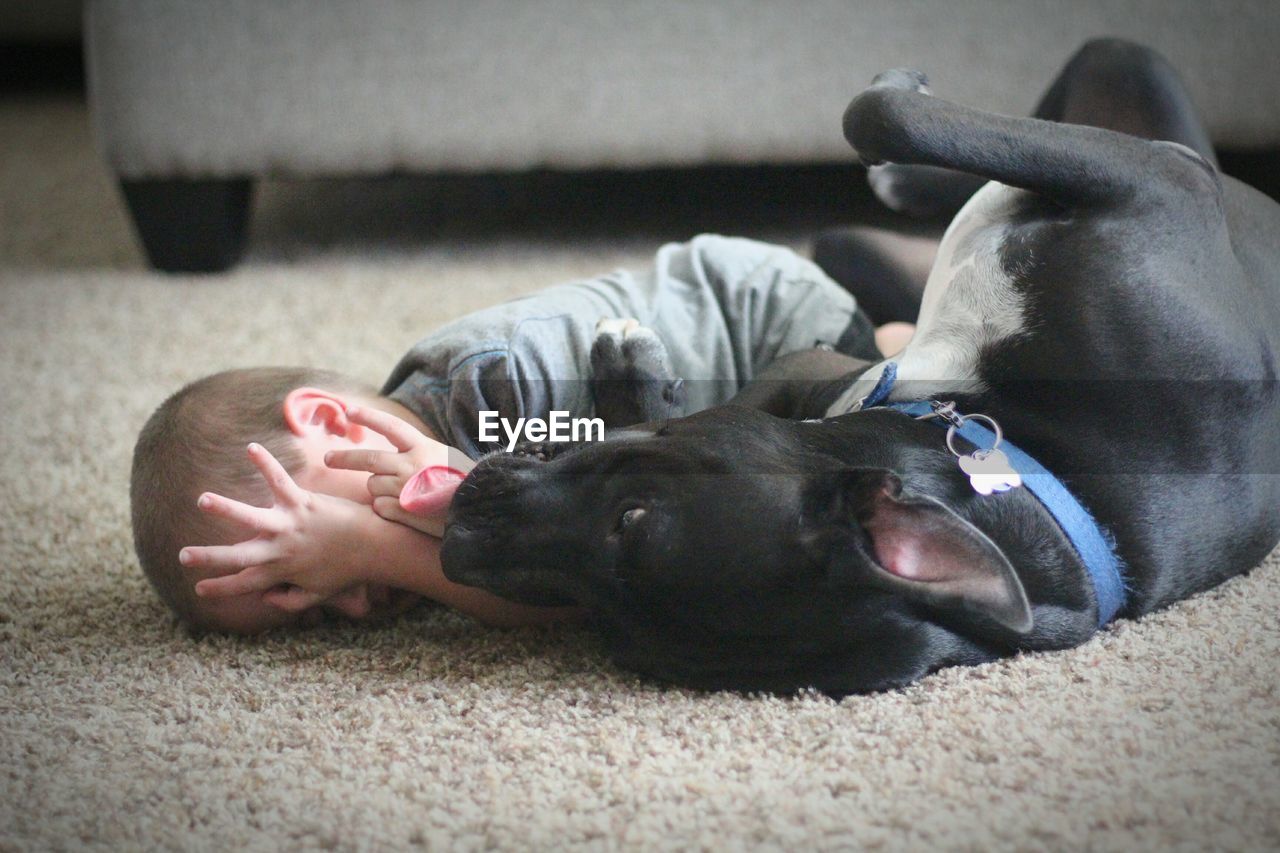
(194, 443)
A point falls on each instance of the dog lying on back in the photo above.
(1085, 426)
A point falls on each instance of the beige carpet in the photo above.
(118, 731)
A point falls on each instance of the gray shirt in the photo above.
(725, 307)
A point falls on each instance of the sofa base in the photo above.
(190, 225)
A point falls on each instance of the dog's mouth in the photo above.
(545, 451)
(542, 451)
(537, 451)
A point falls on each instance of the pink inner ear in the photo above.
(429, 491)
(931, 550)
(898, 554)
(906, 544)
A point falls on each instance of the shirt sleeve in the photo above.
(538, 366)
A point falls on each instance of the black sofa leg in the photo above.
(190, 226)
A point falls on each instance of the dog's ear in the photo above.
(861, 517)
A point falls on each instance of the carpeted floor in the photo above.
(119, 731)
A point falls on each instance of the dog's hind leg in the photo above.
(1108, 83)
(895, 121)
(1119, 85)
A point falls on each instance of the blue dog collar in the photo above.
(1095, 547)
(877, 395)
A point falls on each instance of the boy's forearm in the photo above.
(404, 558)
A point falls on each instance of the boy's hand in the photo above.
(307, 543)
(418, 458)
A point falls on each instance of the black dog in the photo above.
(1111, 303)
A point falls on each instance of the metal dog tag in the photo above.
(989, 472)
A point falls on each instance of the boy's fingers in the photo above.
(373, 461)
(256, 518)
(243, 555)
(390, 509)
(255, 579)
(294, 599)
(278, 479)
(380, 485)
(402, 436)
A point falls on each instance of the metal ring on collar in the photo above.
(995, 427)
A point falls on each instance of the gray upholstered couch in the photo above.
(194, 99)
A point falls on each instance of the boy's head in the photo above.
(195, 442)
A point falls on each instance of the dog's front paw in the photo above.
(902, 78)
(886, 181)
(878, 112)
(624, 349)
(631, 375)
(919, 191)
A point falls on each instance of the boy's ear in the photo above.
(310, 410)
(915, 544)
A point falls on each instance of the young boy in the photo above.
(311, 520)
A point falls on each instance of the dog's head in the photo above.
(724, 550)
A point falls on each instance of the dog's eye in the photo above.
(629, 518)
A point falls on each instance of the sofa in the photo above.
(194, 100)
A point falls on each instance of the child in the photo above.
(330, 455)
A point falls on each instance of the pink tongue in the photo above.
(430, 490)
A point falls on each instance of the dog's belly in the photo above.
(969, 304)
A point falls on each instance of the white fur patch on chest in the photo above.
(969, 303)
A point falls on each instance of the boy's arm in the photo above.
(311, 546)
(407, 551)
